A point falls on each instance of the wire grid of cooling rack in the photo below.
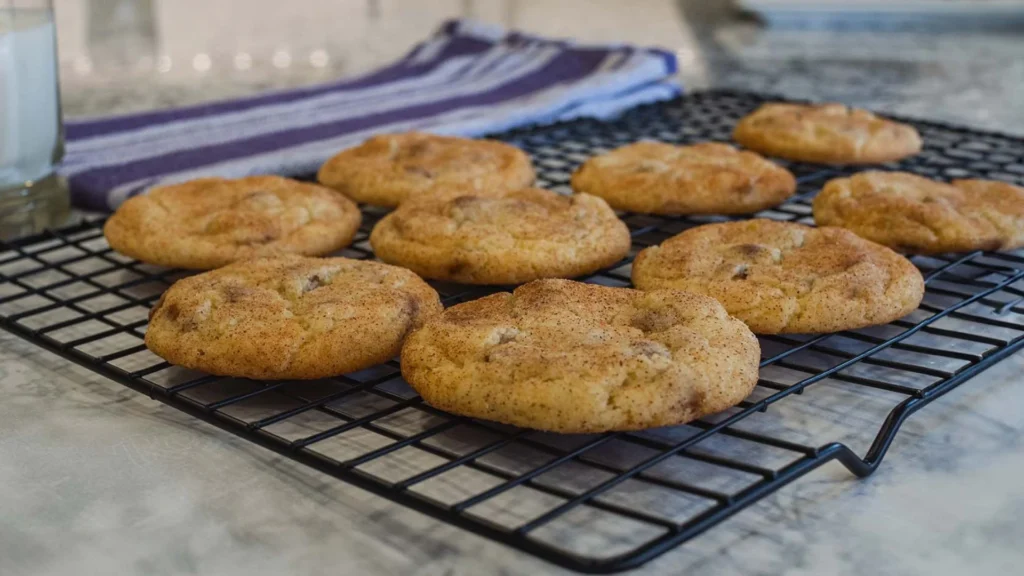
(594, 503)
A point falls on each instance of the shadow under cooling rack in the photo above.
(595, 503)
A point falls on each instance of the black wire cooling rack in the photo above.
(598, 503)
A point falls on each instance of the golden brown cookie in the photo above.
(526, 235)
(781, 277)
(920, 216)
(211, 222)
(289, 317)
(578, 358)
(706, 178)
(826, 133)
(386, 170)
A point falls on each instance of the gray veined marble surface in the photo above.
(101, 480)
(97, 479)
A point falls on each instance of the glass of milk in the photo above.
(32, 195)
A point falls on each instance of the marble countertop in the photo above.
(101, 480)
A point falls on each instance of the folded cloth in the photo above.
(468, 79)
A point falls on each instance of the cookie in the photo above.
(211, 222)
(706, 178)
(569, 357)
(526, 235)
(781, 277)
(386, 170)
(920, 216)
(289, 317)
(826, 133)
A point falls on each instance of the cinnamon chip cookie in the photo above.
(211, 222)
(579, 358)
(781, 277)
(826, 133)
(920, 216)
(706, 178)
(289, 317)
(385, 170)
(526, 235)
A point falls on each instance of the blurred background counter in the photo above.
(126, 55)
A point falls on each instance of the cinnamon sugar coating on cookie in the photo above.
(916, 215)
(526, 235)
(826, 133)
(579, 358)
(707, 178)
(781, 277)
(386, 170)
(211, 222)
(289, 317)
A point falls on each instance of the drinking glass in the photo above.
(32, 195)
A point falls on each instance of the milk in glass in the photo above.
(30, 126)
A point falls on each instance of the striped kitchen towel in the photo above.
(468, 79)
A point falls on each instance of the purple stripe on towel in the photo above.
(467, 79)
(563, 68)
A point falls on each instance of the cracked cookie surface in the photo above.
(825, 133)
(211, 222)
(523, 236)
(388, 169)
(289, 317)
(705, 178)
(920, 216)
(781, 277)
(570, 357)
